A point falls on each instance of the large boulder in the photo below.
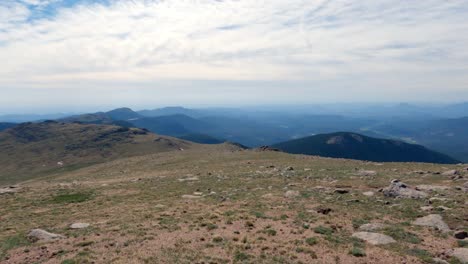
(374, 238)
(433, 220)
(398, 189)
(43, 236)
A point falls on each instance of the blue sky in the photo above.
(60, 54)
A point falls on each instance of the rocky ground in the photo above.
(238, 207)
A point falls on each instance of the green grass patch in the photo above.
(323, 230)
(77, 197)
(311, 241)
(400, 234)
(357, 252)
(12, 242)
(421, 254)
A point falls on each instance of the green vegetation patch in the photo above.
(76, 197)
(12, 242)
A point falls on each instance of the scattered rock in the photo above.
(432, 188)
(79, 225)
(341, 191)
(189, 179)
(43, 236)
(188, 196)
(9, 190)
(368, 194)
(324, 211)
(427, 208)
(266, 148)
(366, 173)
(450, 173)
(460, 253)
(433, 220)
(440, 199)
(372, 227)
(461, 234)
(291, 194)
(398, 189)
(439, 261)
(443, 208)
(374, 238)
(289, 169)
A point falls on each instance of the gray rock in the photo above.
(43, 236)
(425, 187)
(439, 261)
(188, 196)
(374, 238)
(460, 253)
(79, 225)
(398, 189)
(9, 190)
(427, 208)
(372, 227)
(450, 173)
(433, 220)
(368, 194)
(291, 194)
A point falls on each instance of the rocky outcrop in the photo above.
(374, 238)
(39, 235)
(398, 189)
(433, 220)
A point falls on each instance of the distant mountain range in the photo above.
(355, 146)
(258, 128)
(4, 126)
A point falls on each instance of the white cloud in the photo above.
(412, 44)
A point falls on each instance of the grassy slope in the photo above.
(138, 215)
(31, 150)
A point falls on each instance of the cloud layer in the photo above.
(330, 46)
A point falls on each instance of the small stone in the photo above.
(433, 220)
(291, 194)
(341, 191)
(461, 234)
(79, 225)
(188, 196)
(450, 173)
(368, 194)
(289, 168)
(324, 211)
(374, 238)
(439, 261)
(372, 227)
(42, 235)
(427, 208)
(189, 179)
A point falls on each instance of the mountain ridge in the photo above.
(351, 145)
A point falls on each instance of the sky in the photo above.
(82, 54)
